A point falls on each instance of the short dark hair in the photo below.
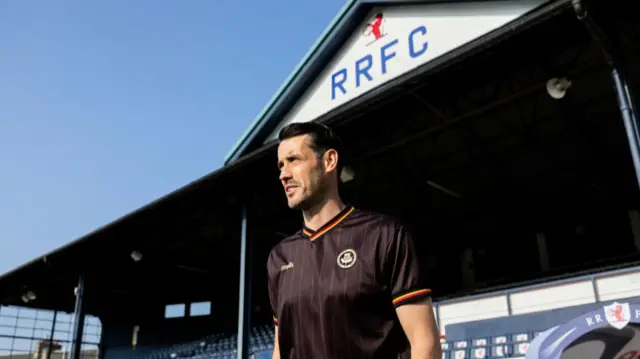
(322, 137)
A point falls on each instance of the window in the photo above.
(174, 311)
(200, 309)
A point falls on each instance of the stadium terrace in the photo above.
(502, 132)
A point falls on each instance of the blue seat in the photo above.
(500, 339)
(479, 342)
(521, 348)
(501, 350)
(480, 352)
(520, 337)
(460, 353)
(461, 344)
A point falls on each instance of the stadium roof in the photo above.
(317, 58)
(160, 230)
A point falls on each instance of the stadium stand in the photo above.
(224, 347)
(216, 346)
(512, 345)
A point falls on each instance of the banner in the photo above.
(612, 332)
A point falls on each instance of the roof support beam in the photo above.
(78, 321)
(623, 96)
(244, 297)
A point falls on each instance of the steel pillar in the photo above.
(78, 321)
(244, 300)
(623, 96)
(629, 118)
(53, 333)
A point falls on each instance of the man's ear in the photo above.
(331, 160)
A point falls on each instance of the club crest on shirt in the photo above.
(286, 266)
(347, 258)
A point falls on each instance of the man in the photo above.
(347, 285)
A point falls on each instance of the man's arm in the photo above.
(411, 297)
(276, 348)
(419, 324)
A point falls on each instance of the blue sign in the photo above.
(358, 73)
(604, 333)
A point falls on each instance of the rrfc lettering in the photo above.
(596, 319)
(417, 46)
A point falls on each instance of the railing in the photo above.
(26, 334)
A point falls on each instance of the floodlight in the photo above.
(557, 87)
(136, 256)
(28, 297)
(346, 174)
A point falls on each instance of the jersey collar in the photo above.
(340, 217)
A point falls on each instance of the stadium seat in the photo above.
(520, 337)
(479, 353)
(461, 344)
(479, 342)
(220, 346)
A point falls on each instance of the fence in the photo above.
(41, 334)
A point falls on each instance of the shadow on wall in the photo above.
(523, 323)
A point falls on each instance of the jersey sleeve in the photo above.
(403, 270)
(273, 292)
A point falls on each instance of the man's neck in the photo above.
(319, 215)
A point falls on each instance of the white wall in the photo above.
(619, 286)
(473, 309)
(552, 297)
(609, 285)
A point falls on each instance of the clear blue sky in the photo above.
(107, 105)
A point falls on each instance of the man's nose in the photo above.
(284, 175)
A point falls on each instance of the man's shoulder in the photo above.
(380, 220)
(288, 241)
(280, 254)
(382, 228)
(284, 245)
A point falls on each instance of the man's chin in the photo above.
(296, 204)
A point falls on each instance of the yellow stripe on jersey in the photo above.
(313, 236)
(416, 293)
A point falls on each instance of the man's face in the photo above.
(302, 173)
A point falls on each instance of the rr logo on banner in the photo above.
(615, 328)
(618, 315)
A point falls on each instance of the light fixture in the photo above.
(28, 297)
(136, 256)
(557, 87)
(346, 174)
(134, 336)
